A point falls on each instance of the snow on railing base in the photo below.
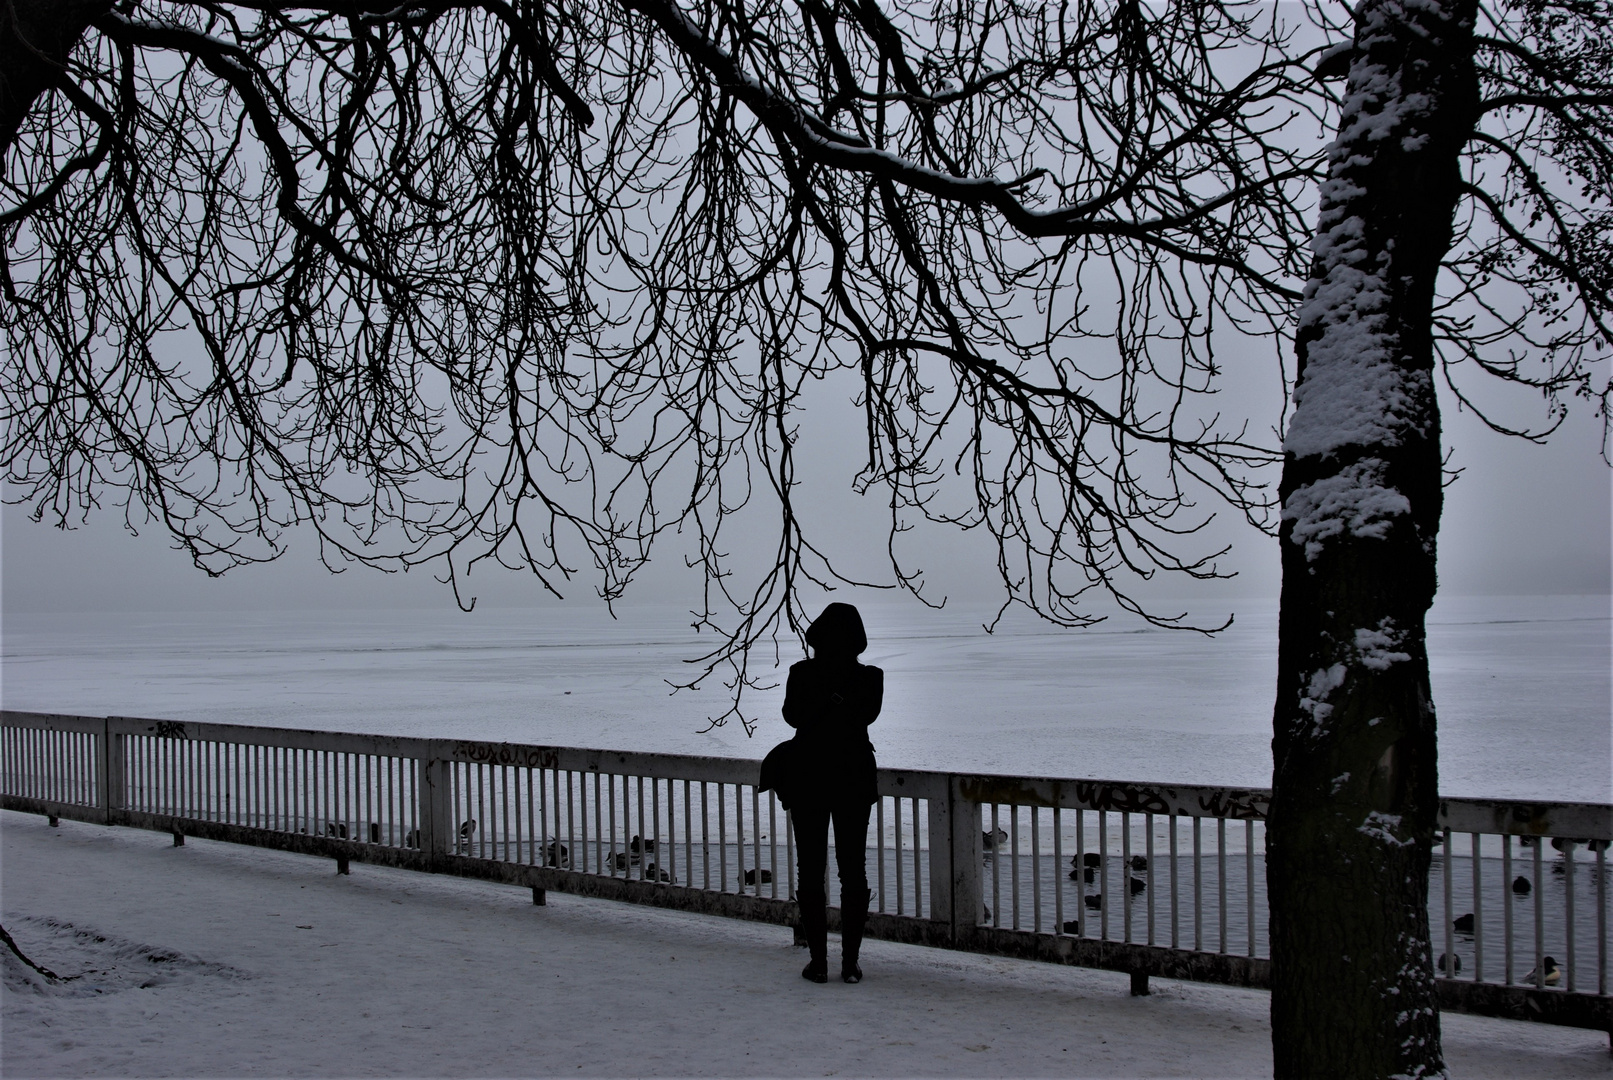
(1562, 1007)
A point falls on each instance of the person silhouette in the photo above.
(830, 699)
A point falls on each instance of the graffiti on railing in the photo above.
(1123, 798)
(1120, 797)
(1227, 803)
(483, 753)
(1237, 805)
(169, 729)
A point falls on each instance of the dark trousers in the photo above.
(812, 849)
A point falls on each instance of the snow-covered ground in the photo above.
(1523, 686)
(215, 960)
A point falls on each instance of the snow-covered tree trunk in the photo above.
(1356, 794)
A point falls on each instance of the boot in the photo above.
(853, 919)
(815, 928)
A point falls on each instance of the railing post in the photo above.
(436, 815)
(961, 886)
(940, 829)
(102, 741)
(110, 775)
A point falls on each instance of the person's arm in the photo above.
(875, 689)
(795, 696)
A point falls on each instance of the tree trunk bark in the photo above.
(1355, 797)
(36, 37)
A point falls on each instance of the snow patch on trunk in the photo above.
(1378, 648)
(1322, 683)
(1384, 828)
(1356, 500)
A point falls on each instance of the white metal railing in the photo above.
(1183, 882)
(1150, 879)
(1518, 891)
(1538, 901)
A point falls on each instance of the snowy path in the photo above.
(265, 963)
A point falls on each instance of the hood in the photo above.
(838, 630)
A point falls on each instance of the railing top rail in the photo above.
(1515, 817)
(37, 721)
(696, 767)
(1120, 796)
(291, 738)
(1572, 820)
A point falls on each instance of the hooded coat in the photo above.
(830, 699)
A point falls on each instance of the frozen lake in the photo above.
(1522, 685)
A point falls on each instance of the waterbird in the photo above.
(1561, 843)
(750, 877)
(1553, 973)
(1448, 965)
(1095, 901)
(1463, 924)
(1521, 885)
(1139, 862)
